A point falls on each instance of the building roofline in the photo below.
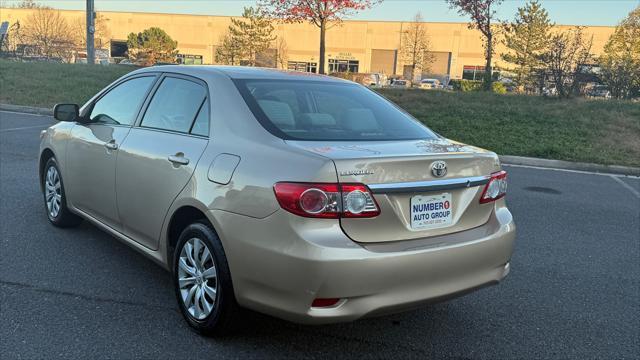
(347, 20)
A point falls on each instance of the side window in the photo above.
(201, 125)
(120, 105)
(175, 105)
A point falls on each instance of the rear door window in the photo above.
(324, 111)
(175, 106)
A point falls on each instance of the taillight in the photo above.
(326, 200)
(496, 188)
(320, 303)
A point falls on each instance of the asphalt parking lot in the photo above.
(573, 291)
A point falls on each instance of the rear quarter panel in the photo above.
(264, 160)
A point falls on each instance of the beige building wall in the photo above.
(351, 40)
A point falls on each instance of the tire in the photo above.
(197, 282)
(55, 199)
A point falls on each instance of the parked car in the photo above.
(549, 91)
(428, 84)
(599, 91)
(400, 84)
(327, 205)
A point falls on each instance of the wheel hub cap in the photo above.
(197, 278)
(53, 191)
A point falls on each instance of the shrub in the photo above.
(499, 88)
(466, 85)
(476, 85)
(355, 77)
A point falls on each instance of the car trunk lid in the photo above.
(405, 187)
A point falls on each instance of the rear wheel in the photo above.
(55, 200)
(202, 281)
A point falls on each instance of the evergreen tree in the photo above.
(252, 34)
(527, 38)
(151, 46)
(229, 51)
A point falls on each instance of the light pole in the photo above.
(91, 51)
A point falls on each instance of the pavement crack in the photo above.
(82, 296)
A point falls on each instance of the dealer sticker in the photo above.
(431, 212)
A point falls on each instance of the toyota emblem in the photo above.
(439, 168)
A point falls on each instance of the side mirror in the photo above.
(66, 112)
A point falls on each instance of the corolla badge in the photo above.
(356, 172)
(439, 168)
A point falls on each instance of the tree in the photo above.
(229, 51)
(415, 46)
(282, 53)
(101, 34)
(526, 39)
(567, 51)
(48, 30)
(253, 33)
(620, 62)
(322, 13)
(151, 46)
(482, 14)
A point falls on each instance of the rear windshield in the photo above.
(323, 111)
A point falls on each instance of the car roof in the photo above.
(242, 72)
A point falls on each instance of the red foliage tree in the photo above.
(482, 13)
(321, 13)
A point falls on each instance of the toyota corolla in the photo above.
(305, 197)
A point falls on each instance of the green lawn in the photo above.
(44, 84)
(605, 132)
(598, 131)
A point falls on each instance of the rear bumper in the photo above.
(280, 264)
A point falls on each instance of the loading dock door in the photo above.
(383, 61)
(441, 64)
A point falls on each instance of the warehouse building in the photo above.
(354, 46)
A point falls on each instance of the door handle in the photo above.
(178, 159)
(111, 145)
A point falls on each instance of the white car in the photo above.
(430, 84)
(400, 84)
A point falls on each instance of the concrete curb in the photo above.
(27, 109)
(569, 165)
(506, 159)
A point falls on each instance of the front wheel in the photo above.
(202, 281)
(55, 200)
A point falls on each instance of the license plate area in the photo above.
(431, 211)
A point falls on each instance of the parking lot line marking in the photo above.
(22, 113)
(572, 171)
(24, 128)
(624, 184)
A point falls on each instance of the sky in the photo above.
(570, 12)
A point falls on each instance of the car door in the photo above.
(93, 148)
(159, 155)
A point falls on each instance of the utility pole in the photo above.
(91, 51)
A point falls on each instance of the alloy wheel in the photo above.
(197, 278)
(53, 191)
